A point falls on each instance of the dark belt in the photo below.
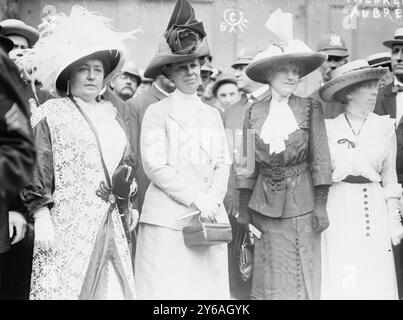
(356, 179)
(280, 173)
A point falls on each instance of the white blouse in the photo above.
(374, 154)
(111, 135)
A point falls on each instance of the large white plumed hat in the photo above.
(287, 49)
(67, 39)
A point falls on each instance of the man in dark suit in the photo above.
(138, 105)
(17, 154)
(390, 101)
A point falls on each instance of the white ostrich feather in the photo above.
(64, 37)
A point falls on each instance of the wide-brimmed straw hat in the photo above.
(184, 40)
(296, 52)
(380, 59)
(18, 27)
(398, 39)
(350, 74)
(66, 40)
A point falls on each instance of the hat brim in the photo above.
(390, 43)
(307, 62)
(6, 44)
(221, 82)
(332, 90)
(30, 33)
(153, 69)
(138, 78)
(116, 59)
(336, 52)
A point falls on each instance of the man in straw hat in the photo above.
(390, 101)
(382, 59)
(334, 46)
(17, 159)
(281, 197)
(363, 204)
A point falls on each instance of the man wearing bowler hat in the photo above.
(334, 46)
(390, 102)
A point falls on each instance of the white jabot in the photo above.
(399, 103)
(279, 124)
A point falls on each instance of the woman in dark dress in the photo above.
(285, 195)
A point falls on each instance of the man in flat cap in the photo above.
(334, 46)
(226, 91)
(390, 102)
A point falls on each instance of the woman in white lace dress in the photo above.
(363, 203)
(81, 250)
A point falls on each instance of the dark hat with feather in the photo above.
(185, 39)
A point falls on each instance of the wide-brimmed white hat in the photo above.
(343, 77)
(65, 40)
(296, 52)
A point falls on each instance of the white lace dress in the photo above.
(63, 135)
(357, 257)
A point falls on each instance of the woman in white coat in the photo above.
(184, 153)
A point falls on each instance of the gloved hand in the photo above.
(244, 215)
(18, 224)
(121, 181)
(44, 229)
(396, 227)
(208, 207)
(319, 215)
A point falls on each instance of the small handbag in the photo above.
(207, 233)
(246, 258)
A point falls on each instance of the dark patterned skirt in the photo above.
(286, 259)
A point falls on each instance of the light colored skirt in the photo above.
(357, 257)
(165, 268)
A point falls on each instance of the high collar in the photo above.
(184, 96)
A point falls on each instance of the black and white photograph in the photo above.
(201, 150)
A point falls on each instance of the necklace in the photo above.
(351, 127)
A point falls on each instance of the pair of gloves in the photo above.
(319, 215)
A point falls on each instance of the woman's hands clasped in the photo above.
(208, 207)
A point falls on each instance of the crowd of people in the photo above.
(109, 173)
